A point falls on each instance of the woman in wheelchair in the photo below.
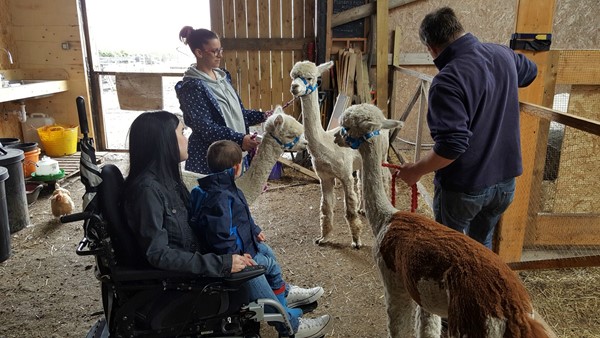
(156, 204)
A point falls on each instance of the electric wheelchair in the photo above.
(141, 301)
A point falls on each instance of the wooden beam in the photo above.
(577, 122)
(567, 229)
(382, 54)
(363, 11)
(298, 167)
(532, 16)
(557, 263)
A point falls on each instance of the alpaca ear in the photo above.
(278, 110)
(324, 66)
(278, 120)
(392, 124)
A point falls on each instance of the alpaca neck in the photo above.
(377, 205)
(253, 180)
(313, 130)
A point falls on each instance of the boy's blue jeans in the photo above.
(259, 288)
(474, 213)
(266, 257)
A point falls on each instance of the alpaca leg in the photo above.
(327, 205)
(400, 307)
(351, 205)
(427, 325)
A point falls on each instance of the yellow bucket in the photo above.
(58, 140)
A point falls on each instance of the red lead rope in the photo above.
(414, 191)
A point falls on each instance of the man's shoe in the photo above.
(298, 296)
(314, 327)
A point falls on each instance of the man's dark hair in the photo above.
(223, 155)
(440, 27)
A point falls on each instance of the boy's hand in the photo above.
(261, 237)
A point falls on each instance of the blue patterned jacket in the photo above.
(202, 113)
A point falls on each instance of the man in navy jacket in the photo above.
(473, 117)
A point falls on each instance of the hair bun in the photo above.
(185, 33)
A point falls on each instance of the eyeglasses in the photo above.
(216, 51)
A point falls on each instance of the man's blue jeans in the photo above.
(266, 257)
(474, 213)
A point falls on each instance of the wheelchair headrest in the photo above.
(124, 243)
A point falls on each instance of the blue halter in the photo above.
(354, 143)
(288, 145)
(309, 88)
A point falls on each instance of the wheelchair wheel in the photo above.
(99, 330)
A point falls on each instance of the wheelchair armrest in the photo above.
(238, 278)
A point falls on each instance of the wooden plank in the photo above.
(230, 57)
(287, 60)
(557, 263)
(532, 16)
(266, 102)
(216, 17)
(567, 229)
(279, 77)
(247, 61)
(363, 11)
(262, 43)
(298, 24)
(578, 67)
(577, 122)
(43, 13)
(309, 20)
(300, 168)
(382, 52)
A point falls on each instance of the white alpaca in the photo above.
(423, 262)
(329, 161)
(282, 132)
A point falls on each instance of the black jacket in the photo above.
(158, 216)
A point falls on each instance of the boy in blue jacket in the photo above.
(222, 221)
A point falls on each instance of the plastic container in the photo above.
(46, 167)
(31, 125)
(4, 227)
(32, 190)
(18, 212)
(9, 141)
(32, 156)
(58, 140)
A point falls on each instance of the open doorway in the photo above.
(133, 41)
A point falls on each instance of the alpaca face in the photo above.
(304, 76)
(288, 132)
(360, 123)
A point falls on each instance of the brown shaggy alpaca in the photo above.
(444, 272)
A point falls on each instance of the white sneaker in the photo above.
(298, 296)
(314, 327)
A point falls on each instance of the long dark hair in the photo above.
(153, 146)
(196, 38)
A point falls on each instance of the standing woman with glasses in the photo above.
(210, 105)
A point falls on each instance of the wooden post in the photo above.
(533, 16)
(382, 55)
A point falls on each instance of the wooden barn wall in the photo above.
(576, 24)
(37, 29)
(261, 74)
(489, 21)
(9, 127)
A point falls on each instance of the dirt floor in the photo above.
(49, 291)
